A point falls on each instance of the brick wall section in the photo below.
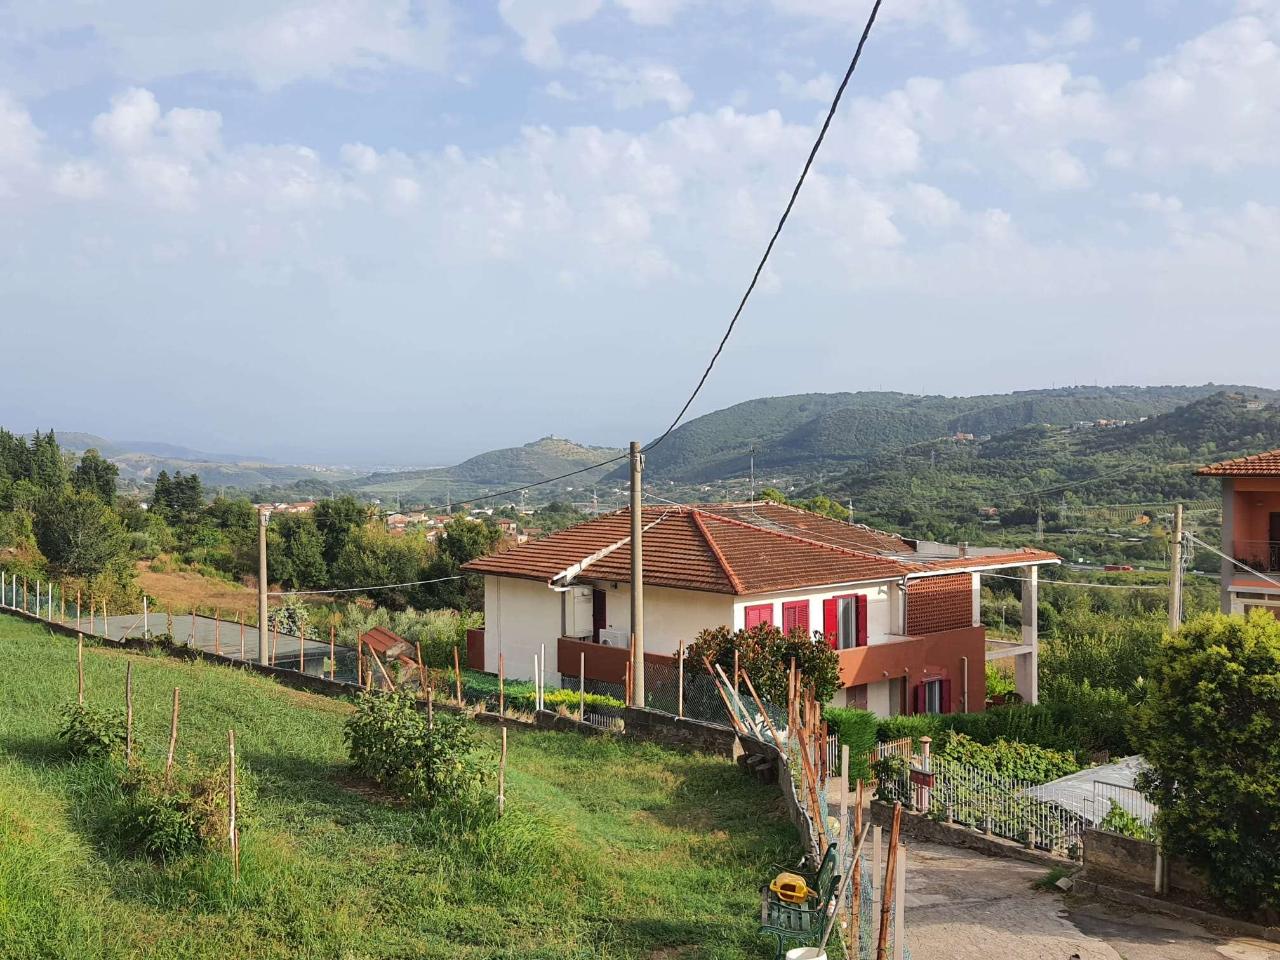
(939, 603)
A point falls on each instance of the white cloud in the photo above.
(536, 21)
(78, 180)
(656, 12)
(270, 43)
(128, 126)
(949, 17)
(1076, 29)
(629, 85)
(821, 87)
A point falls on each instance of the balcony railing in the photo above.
(1263, 555)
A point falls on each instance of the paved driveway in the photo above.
(965, 906)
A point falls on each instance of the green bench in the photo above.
(802, 924)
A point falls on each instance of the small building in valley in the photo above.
(904, 617)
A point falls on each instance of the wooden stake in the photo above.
(173, 736)
(737, 724)
(502, 775)
(242, 636)
(736, 681)
(77, 609)
(777, 740)
(275, 637)
(431, 702)
(302, 649)
(231, 806)
(80, 669)
(582, 684)
(457, 675)
(626, 682)
(422, 670)
(386, 677)
(128, 711)
(62, 603)
(886, 898)
(502, 686)
(333, 663)
(680, 692)
(359, 662)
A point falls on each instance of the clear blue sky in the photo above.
(408, 231)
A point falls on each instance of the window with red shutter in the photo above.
(757, 614)
(795, 616)
(831, 622)
(861, 634)
(946, 696)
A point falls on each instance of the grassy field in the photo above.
(181, 590)
(610, 849)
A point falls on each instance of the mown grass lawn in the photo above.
(609, 849)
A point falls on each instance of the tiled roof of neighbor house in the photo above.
(778, 516)
(711, 549)
(1259, 465)
(386, 643)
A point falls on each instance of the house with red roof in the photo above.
(903, 616)
(1250, 531)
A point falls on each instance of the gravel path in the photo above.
(965, 906)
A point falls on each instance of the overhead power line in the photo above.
(359, 589)
(755, 279)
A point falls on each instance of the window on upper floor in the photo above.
(795, 616)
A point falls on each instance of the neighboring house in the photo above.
(1250, 530)
(903, 616)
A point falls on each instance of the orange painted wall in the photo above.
(1256, 498)
(927, 657)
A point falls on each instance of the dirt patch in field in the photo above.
(181, 591)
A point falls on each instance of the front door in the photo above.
(599, 620)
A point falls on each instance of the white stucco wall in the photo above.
(522, 615)
(881, 599)
(519, 617)
(669, 615)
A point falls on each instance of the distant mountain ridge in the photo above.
(824, 431)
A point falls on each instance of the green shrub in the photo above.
(1000, 682)
(392, 743)
(166, 818)
(91, 732)
(856, 729)
(563, 697)
(1121, 821)
(766, 654)
(1209, 731)
(914, 726)
(1006, 758)
(438, 632)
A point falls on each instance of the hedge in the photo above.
(855, 729)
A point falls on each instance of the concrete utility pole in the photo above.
(1175, 570)
(264, 649)
(637, 580)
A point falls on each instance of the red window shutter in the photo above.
(831, 622)
(795, 616)
(757, 614)
(917, 698)
(860, 612)
(946, 696)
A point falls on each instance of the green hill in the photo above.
(811, 432)
(609, 848)
(509, 467)
(1154, 461)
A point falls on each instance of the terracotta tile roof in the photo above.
(778, 516)
(1259, 465)
(1022, 555)
(711, 549)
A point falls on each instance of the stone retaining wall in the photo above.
(919, 827)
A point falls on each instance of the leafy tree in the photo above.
(295, 553)
(766, 655)
(373, 556)
(1210, 730)
(97, 475)
(337, 518)
(162, 495)
(79, 534)
(466, 539)
(47, 469)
